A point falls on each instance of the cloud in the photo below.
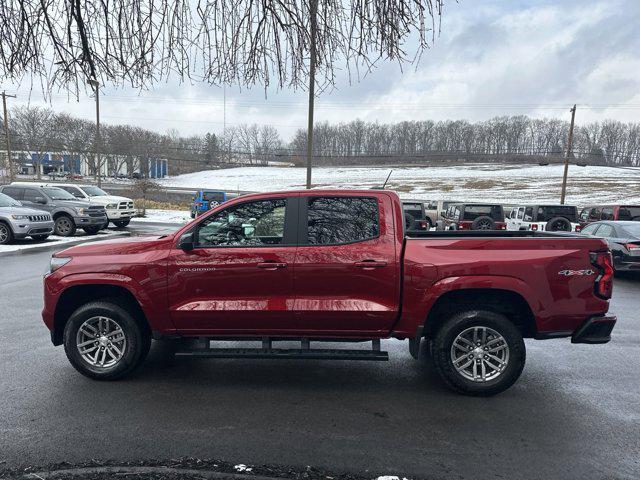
(491, 58)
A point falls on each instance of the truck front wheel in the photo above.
(103, 341)
(479, 353)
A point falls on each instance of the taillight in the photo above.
(503, 226)
(424, 225)
(604, 281)
(578, 228)
(461, 226)
(534, 227)
(632, 247)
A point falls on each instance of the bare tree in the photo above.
(35, 130)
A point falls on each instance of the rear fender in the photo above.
(415, 317)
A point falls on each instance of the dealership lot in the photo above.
(573, 414)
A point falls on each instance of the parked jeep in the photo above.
(204, 200)
(548, 218)
(595, 213)
(474, 216)
(67, 212)
(17, 222)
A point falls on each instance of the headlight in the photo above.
(20, 217)
(57, 262)
(80, 211)
(112, 206)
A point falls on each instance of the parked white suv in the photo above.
(119, 209)
(547, 218)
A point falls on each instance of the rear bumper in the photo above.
(595, 330)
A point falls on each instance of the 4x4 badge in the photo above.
(571, 273)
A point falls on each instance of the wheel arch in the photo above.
(77, 295)
(507, 302)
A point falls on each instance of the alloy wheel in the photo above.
(480, 354)
(63, 226)
(4, 233)
(101, 342)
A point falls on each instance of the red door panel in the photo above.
(349, 289)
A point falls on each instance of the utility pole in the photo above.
(6, 134)
(566, 157)
(313, 5)
(96, 86)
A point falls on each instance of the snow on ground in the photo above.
(52, 241)
(486, 182)
(164, 216)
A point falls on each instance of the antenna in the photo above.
(385, 182)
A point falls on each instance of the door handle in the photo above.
(370, 264)
(271, 265)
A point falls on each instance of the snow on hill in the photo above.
(480, 182)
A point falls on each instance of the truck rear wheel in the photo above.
(479, 353)
(103, 341)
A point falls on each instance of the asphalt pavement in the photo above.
(575, 412)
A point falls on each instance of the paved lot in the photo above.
(575, 413)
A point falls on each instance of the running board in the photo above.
(304, 353)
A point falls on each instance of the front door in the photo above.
(238, 278)
(347, 274)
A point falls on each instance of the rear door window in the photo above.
(594, 213)
(342, 220)
(520, 213)
(590, 229)
(528, 214)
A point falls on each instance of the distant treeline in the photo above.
(608, 142)
(508, 138)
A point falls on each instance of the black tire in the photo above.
(91, 230)
(135, 351)
(40, 237)
(558, 224)
(64, 226)
(6, 235)
(483, 223)
(121, 223)
(460, 322)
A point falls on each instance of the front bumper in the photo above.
(86, 221)
(595, 330)
(25, 228)
(120, 214)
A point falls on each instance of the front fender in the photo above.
(152, 303)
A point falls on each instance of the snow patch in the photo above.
(487, 182)
(52, 241)
(242, 468)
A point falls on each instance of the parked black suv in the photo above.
(474, 216)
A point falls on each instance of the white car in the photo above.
(119, 209)
(544, 218)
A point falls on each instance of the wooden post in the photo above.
(6, 134)
(566, 157)
(313, 4)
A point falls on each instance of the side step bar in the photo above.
(306, 352)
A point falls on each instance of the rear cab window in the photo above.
(342, 220)
(14, 192)
(547, 212)
(629, 213)
(471, 212)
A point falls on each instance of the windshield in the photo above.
(7, 201)
(94, 191)
(56, 193)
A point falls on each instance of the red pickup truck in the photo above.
(328, 266)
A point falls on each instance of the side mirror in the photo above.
(40, 200)
(186, 242)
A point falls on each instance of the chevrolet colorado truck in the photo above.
(317, 266)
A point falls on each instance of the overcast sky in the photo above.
(534, 57)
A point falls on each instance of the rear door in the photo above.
(347, 274)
